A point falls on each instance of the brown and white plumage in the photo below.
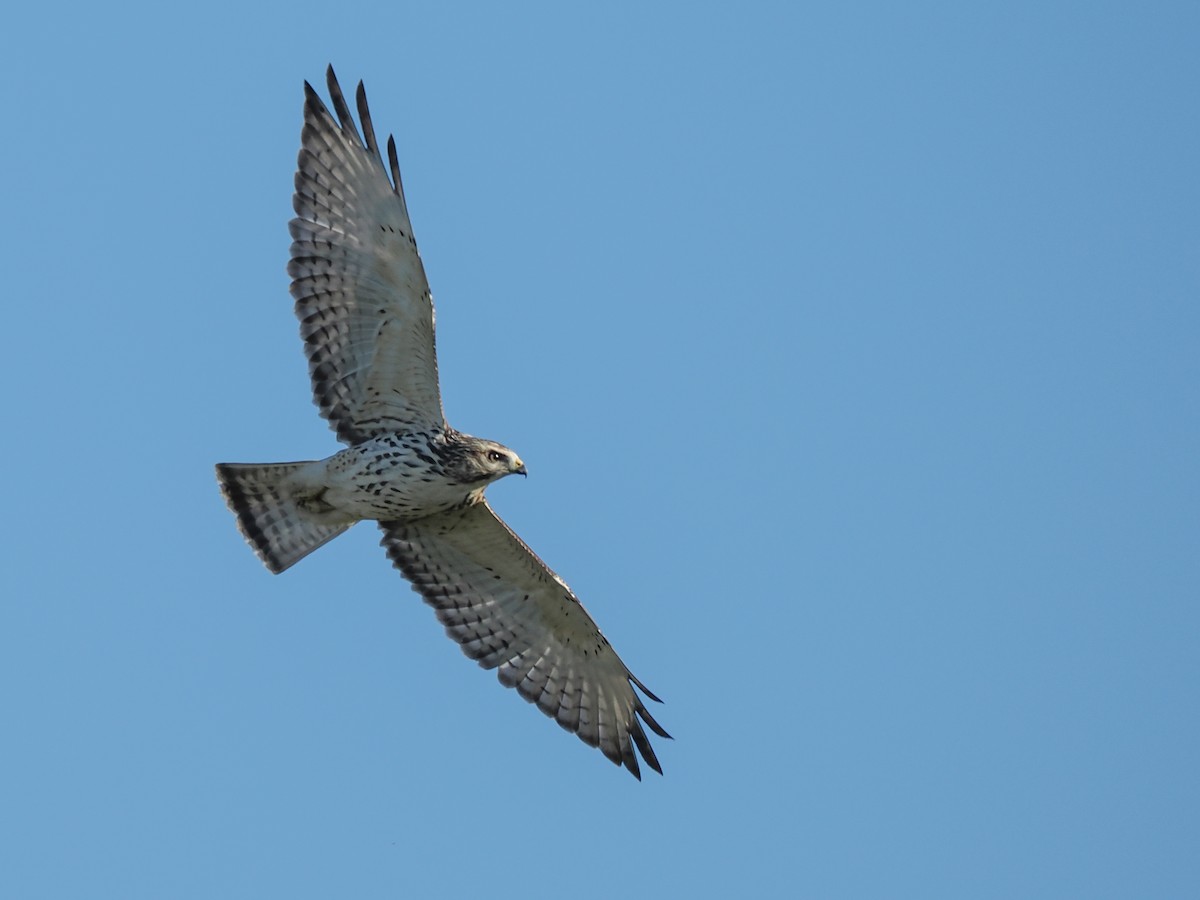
(367, 320)
(511, 613)
(366, 313)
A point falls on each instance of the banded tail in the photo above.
(268, 516)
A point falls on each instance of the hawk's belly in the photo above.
(395, 476)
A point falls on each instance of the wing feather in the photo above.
(364, 115)
(366, 313)
(509, 612)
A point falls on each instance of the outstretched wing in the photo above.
(510, 612)
(365, 310)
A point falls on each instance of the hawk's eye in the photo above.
(495, 455)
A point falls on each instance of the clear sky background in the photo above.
(854, 350)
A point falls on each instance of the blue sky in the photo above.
(854, 351)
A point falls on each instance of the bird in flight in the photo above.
(367, 320)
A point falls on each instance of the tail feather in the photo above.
(280, 532)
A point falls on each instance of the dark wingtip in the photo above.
(649, 720)
(368, 127)
(394, 164)
(345, 119)
(314, 106)
(641, 687)
(643, 745)
(629, 758)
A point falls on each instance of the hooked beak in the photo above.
(520, 469)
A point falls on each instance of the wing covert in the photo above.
(365, 309)
(510, 612)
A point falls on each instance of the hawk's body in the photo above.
(367, 320)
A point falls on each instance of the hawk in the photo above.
(367, 320)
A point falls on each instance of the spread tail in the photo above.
(280, 532)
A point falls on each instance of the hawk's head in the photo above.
(477, 462)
